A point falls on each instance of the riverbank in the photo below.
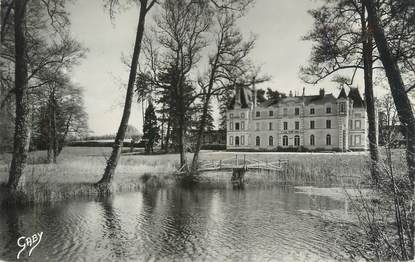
(78, 168)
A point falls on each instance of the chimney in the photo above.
(322, 92)
(254, 93)
(291, 93)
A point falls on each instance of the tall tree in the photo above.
(228, 63)
(400, 97)
(21, 133)
(396, 84)
(58, 114)
(35, 43)
(182, 25)
(344, 43)
(104, 183)
(150, 128)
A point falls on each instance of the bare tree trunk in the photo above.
(369, 96)
(50, 136)
(22, 129)
(162, 128)
(181, 136)
(61, 141)
(200, 133)
(118, 143)
(400, 97)
(166, 143)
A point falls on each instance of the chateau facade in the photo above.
(316, 122)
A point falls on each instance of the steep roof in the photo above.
(245, 94)
(245, 97)
(354, 95)
(342, 94)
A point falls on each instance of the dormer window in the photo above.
(342, 107)
(312, 111)
(258, 113)
(328, 110)
(271, 113)
(242, 115)
(297, 111)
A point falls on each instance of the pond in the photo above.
(175, 224)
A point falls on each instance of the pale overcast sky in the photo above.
(278, 25)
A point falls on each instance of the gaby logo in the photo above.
(29, 242)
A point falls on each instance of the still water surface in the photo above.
(255, 224)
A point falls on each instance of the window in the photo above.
(258, 113)
(231, 126)
(230, 115)
(312, 111)
(257, 141)
(242, 140)
(242, 125)
(297, 125)
(351, 124)
(328, 123)
(285, 140)
(231, 140)
(297, 111)
(328, 110)
(285, 112)
(342, 107)
(312, 140)
(312, 124)
(285, 125)
(271, 140)
(257, 126)
(271, 113)
(328, 140)
(236, 140)
(296, 140)
(242, 115)
(236, 127)
(357, 140)
(357, 124)
(270, 125)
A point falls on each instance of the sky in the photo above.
(277, 24)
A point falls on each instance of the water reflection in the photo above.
(12, 232)
(112, 230)
(255, 223)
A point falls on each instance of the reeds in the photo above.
(79, 168)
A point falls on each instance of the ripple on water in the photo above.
(178, 224)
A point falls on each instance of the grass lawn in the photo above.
(85, 165)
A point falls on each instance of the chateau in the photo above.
(316, 122)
